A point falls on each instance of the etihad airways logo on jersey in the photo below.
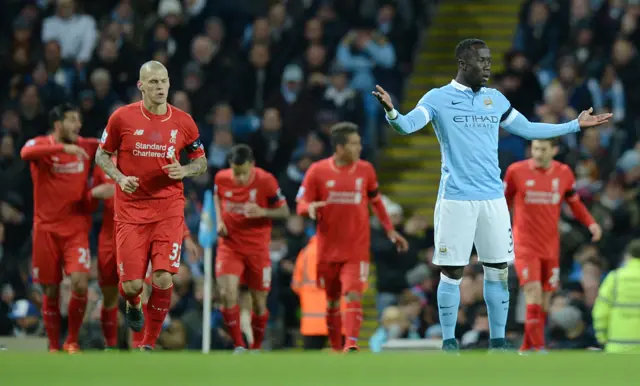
(479, 121)
(349, 198)
(541, 198)
(153, 150)
(69, 168)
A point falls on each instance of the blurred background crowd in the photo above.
(276, 75)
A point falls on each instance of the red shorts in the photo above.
(107, 265)
(138, 244)
(254, 271)
(340, 278)
(52, 254)
(544, 271)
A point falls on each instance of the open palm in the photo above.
(585, 119)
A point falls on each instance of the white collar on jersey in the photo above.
(461, 87)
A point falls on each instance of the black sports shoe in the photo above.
(499, 345)
(450, 345)
(135, 318)
(146, 348)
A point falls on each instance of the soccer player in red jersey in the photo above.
(149, 202)
(104, 189)
(336, 192)
(535, 189)
(246, 199)
(60, 165)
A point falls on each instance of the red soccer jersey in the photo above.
(145, 143)
(536, 196)
(59, 184)
(343, 224)
(106, 230)
(247, 236)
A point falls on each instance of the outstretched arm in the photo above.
(414, 121)
(518, 124)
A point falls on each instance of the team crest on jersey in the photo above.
(331, 183)
(488, 103)
(174, 135)
(252, 195)
(442, 248)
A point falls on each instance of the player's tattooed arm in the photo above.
(252, 210)
(103, 159)
(278, 213)
(196, 167)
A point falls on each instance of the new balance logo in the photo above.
(138, 132)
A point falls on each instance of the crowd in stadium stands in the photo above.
(277, 75)
(273, 74)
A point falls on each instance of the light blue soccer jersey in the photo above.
(467, 125)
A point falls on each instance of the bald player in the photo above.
(148, 137)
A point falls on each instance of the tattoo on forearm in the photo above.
(281, 212)
(196, 167)
(103, 159)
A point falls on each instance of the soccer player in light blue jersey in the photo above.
(471, 208)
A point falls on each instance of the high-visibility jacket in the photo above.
(313, 300)
(616, 313)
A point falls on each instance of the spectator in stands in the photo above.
(181, 100)
(254, 80)
(626, 62)
(93, 118)
(291, 179)
(607, 90)
(272, 148)
(295, 103)
(556, 108)
(101, 84)
(122, 69)
(76, 33)
(537, 35)
(32, 113)
(59, 71)
(346, 101)
(219, 149)
(50, 92)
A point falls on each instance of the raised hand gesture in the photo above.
(383, 97)
(585, 119)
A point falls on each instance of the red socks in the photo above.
(51, 317)
(258, 326)
(133, 300)
(352, 322)
(109, 320)
(334, 325)
(157, 310)
(137, 337)
(232, 320)
(77, 306)
(534, 328)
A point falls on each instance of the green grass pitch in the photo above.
(316, 369)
